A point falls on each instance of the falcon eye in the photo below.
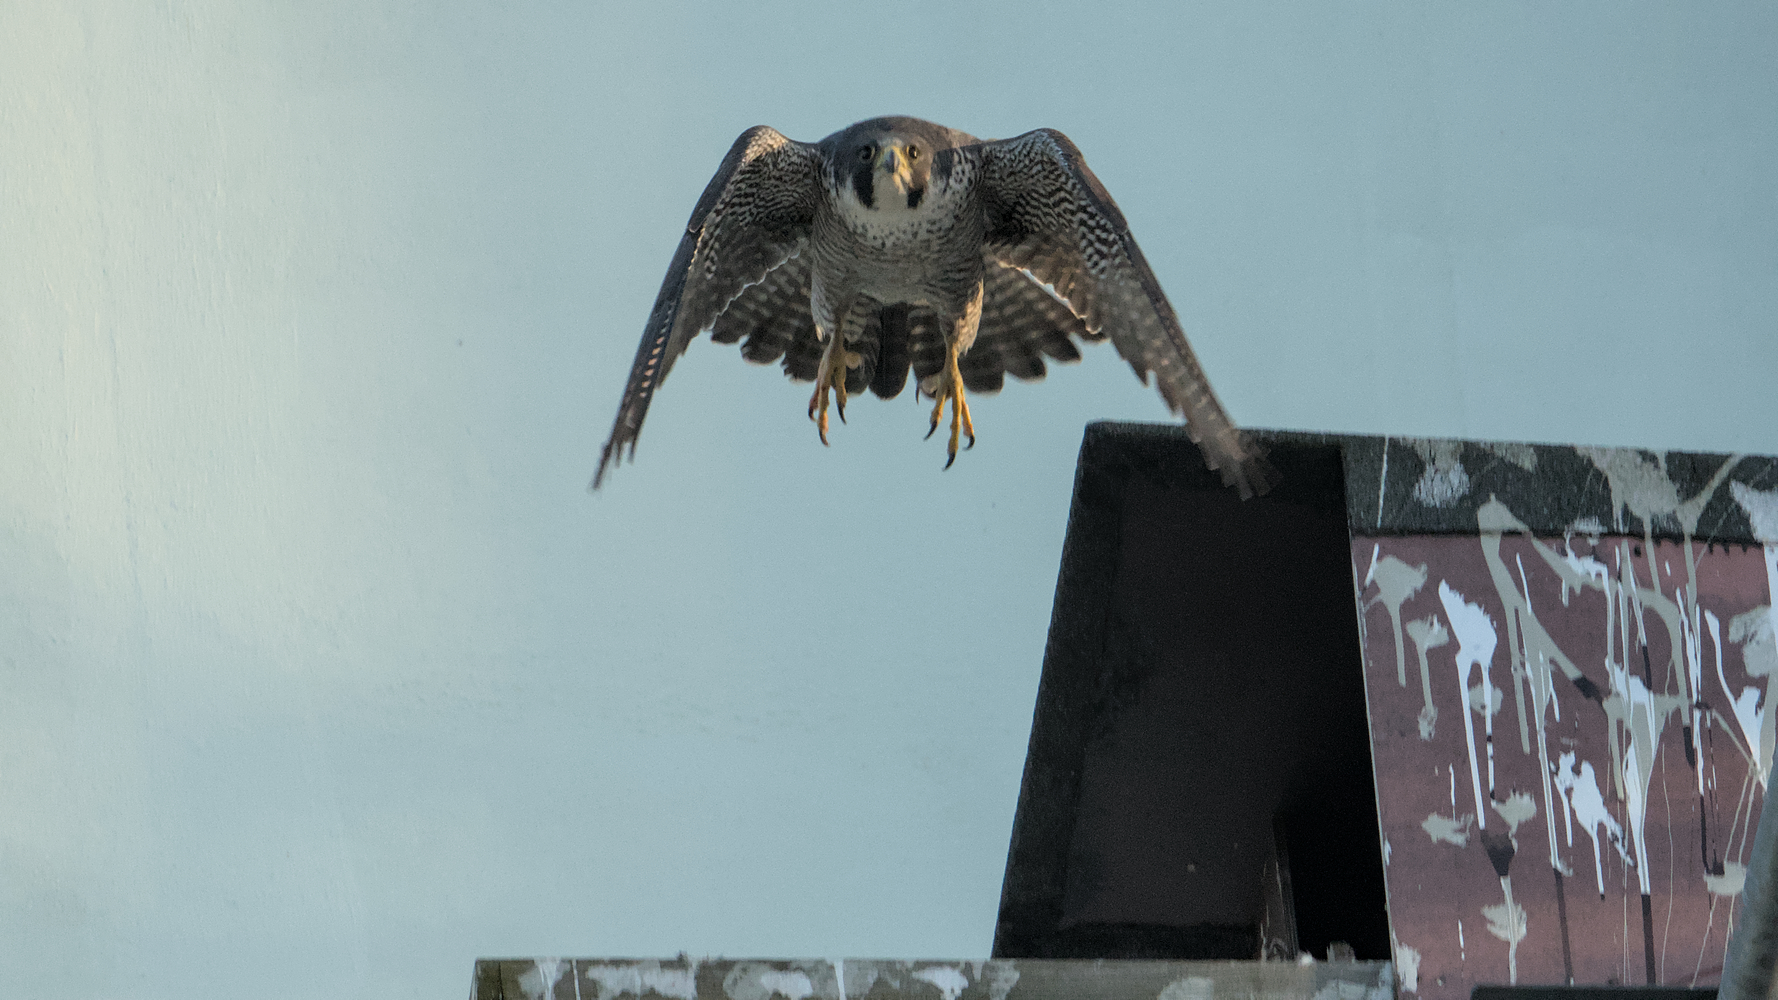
(864, 153)
(913, 153)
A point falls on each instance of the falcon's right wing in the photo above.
(754, 216)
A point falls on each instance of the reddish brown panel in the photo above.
(1592, 821)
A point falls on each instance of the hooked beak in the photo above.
(894, 163)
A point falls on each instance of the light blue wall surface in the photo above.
(320, 672)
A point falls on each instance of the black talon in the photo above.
(948, 461)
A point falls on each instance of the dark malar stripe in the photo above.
(863, 183)
(914, 197)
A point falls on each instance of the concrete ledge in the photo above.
(879, 979)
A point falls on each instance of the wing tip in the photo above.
(1242, 463)
(1254, 477)
(610, 457)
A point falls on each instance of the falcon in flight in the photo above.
(899, 244)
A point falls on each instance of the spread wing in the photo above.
(1021, 325)
(1049, 215)
(775, 319)
(773, 315)
(753, 216)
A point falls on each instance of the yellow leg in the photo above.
(835, 360)
(950, 387)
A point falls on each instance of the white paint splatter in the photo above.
(1581, 792)
(1382, 481)
(1342, 989)
(1637, 484)
(865, 974)
(613, 981)
(640, 978)
(949, 981)
(794, 984)
(1644, 715)
(758, 981)
(545, 972)
(1762, 514)
(1567, 806)
(1745, 706)
(1766, 741)
(1522, 455)
(1506, 921)
(1190, 988)
(1445, 481)
(1427, 633)
(1534, 654)
(1762, 510)
(1407, 967)
(1487, 702)
(1001, 978)
(1476, 640)
(1730, 883)
(1589, 526)
(1396, 583)
(1636, 594)
(681, 984)
(1517, 808)
(1385, 987)
(1451, 831)
(1636, 810)
(1753, 629)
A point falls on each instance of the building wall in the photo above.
(1572, 730)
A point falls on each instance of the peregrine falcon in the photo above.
(899, 244)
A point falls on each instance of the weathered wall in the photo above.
(1572, 725)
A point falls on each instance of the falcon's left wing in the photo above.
(753, 217)
(1049, 215)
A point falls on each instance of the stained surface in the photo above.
(686, 978)
(1563, 729)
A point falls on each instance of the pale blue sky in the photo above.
(320, 671)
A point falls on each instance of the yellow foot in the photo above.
(835, 360)
(950, 387)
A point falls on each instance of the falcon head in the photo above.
(886, 165)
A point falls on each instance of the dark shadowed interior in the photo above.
(1201, 716)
